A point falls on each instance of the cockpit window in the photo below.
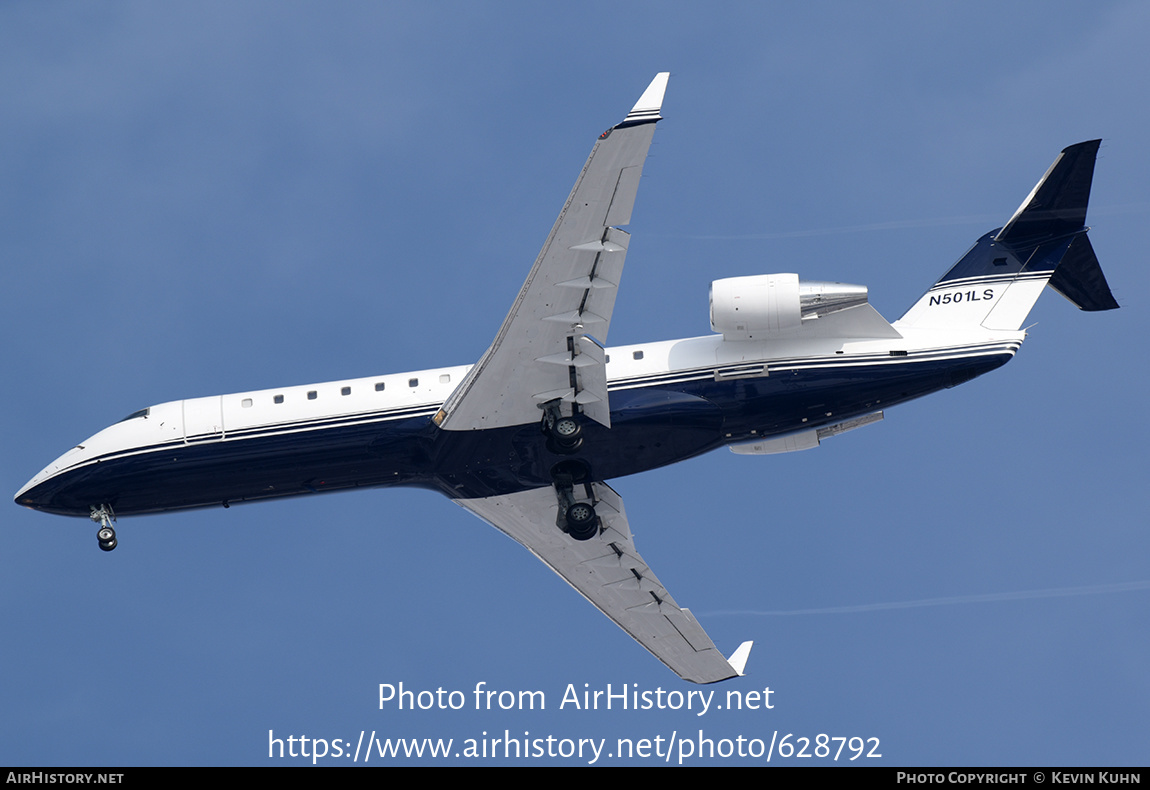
(135, 414)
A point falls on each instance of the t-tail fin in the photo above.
(998, 281)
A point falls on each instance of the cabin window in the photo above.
(135, 414)
(413, 382)
(246, 403)
(445, 378)
(607, 359)
(311, 395)
(345, 391)
(379, 385)
(637, 354)
(278, 399)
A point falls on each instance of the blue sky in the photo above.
(215, 197)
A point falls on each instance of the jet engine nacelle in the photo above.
(765, 305)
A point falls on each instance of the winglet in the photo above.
(738, 659)
(649, 104)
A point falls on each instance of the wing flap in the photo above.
(610, 573)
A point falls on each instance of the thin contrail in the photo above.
(933, 222)
(1059, 592)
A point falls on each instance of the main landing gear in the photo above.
(582, 523)
(577, 519)
(564, 434)
(106, 535)
(564, 437)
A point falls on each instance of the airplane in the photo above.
(528, 437)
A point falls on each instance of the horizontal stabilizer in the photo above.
(1080, 279)
(1057, 205)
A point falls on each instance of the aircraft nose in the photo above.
(44, 491)
(31, 494)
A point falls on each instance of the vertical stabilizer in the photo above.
(1057, 204)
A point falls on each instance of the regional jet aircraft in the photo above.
(528, 437)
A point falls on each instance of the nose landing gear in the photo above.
(106, 535)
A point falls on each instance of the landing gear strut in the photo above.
(106, 535)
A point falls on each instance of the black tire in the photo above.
(566, 435)
(108, 545)
(582, 523)
(106, 535)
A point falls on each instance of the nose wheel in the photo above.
(105, 535)
(107, 538)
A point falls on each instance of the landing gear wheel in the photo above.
(566, 435)
(582, 523)
(566, 428)
(107, 538)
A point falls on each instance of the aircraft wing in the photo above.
(610, 574)
(542, 352)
